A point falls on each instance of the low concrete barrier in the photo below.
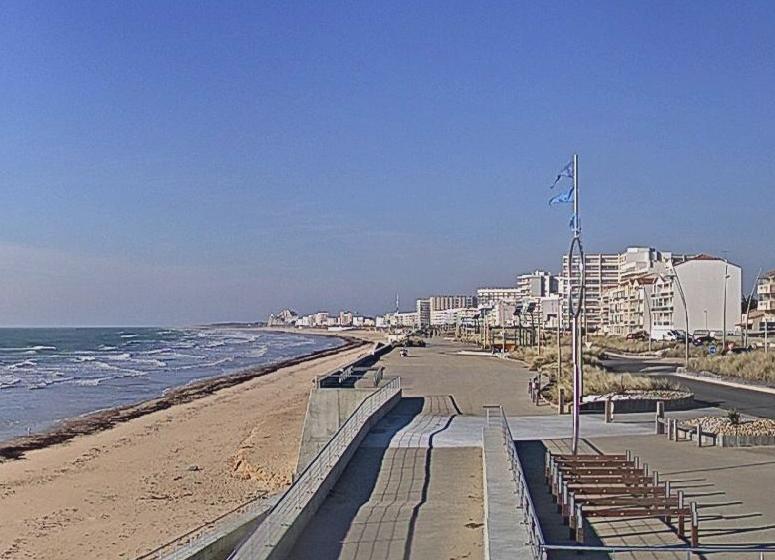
(276, 536)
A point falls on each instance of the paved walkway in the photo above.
(409, 499)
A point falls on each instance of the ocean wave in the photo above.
(8, 384)
(105, 347)
(24, 364)
(28, 349)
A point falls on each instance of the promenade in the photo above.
(414, 487)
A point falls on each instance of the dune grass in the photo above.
(752, 366)
(597, 381)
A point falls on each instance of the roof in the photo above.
(770, 274)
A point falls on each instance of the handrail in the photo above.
(669, 549)
(530, 515)
(306, 484)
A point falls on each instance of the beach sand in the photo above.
(124, 491)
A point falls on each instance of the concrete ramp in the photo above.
(327, 410)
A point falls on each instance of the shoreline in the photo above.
(124, 491)
(104, 419)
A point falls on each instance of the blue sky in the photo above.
(176, 162)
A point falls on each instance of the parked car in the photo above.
(637, 335)
(702, 336)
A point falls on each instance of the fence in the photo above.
(300, 499)
(741, 552)
(495, 415)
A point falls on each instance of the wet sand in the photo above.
(131, 486)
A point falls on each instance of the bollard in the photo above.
(609, 410)
(561, 401)
(660, 419)
(699, 435)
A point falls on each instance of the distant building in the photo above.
(440, 303)
(451, 317)
(606, 271)
(625, 308)
(536, 284)
(423, 313)
(403, 320)
(765, 292)
(345, 318)
(286, 317)
(488, 296)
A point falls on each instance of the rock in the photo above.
(193, 468)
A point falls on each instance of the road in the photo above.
(745, 401)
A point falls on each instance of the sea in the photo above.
(47, 375)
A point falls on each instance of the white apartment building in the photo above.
(450, 317)
(625, 308)
(703, 281)
(765, 292)
(536, 284)
(488, 296)
(440, 303)
(403, 320)
(423, 313)
(607, 271)
(601, 274)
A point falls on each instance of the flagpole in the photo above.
(576, 335)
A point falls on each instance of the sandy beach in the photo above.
(121, 492)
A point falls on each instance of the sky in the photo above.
(166, 163)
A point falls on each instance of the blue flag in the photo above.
(566, 171)
(562, 198)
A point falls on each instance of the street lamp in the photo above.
(724, 320)
(673, 275)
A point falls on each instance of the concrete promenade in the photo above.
(414, 488)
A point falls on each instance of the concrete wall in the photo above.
(283, 533)
(703, 286)
(327, 409)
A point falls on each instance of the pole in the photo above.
(748, 308)
(724, 320)
(648, 308)
(576, 335)
(559, 345)
(686, 316)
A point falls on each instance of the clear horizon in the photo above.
(180, 165)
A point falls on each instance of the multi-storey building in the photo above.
(601, 274)
(706, 282)
(488, 296)
(536, 284)
(625, 308)
(450, 317)
(765, 292)
(440, 303)
(423, 313)
(607, 271)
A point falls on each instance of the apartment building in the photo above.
(605, 272)
(440, 303)
(704, 280)
(765, 292)
(536, 284)
(423, 313)
(450, 317)
(625, 308)
(601, 274)
(488, 296)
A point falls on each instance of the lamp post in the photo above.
(748, 308)
(724, 320)
(674, 276)
(648, 307)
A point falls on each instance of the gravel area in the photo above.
(723, 426)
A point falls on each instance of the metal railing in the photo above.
(740, 552)
(494, 417)
(303, 489)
